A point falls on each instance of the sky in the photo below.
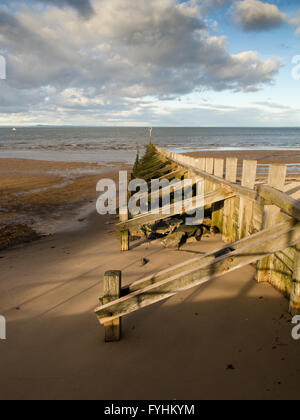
(150, 63)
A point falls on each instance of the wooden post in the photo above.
(295, 290)
(209, 168)
(276, 179)
(124, 235)
(246, 205)
(217, 208)
(200, 164)
(123, 211)
(112, 291)
(230, 205)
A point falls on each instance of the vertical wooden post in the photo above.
(209, 168)
(217, 208)
(276, 179)
(123, 210)
(112, 290)
(124, 235)
(230, 205)
(246, 205)
(200, 163)
(295, 290)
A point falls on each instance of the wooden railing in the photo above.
(258, 221)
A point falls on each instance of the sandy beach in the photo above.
(42, 197)
(229, 339)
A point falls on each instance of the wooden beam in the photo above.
(217, 209)
(276, 179)
(295, 290)
(112, 290)
(230, 221)
(286, 203)
(246, 206)
(230, 186)
(123, 215)
(172, 174)
(211, 270)
(200, 260)
(150, 217)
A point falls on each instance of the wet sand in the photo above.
(46, 196)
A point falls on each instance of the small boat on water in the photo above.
(14, 129)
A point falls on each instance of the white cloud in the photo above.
(126, 49)
(296, 22)
(254, 15)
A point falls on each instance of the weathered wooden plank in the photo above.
(173, 210)
(238, 189)
(172, 174)
(245, 205)
(209, 169)
(112, 290)
(200, 260)
(123, 214)
(286, 203)
(211, 270)
(269, 194)
(276, 179)
(295, 291)
(217, 208)
(200, 164)
(230, 223)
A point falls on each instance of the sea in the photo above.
(121, 144)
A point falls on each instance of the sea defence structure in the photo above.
(259, 223)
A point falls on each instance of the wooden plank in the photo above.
(230, 223)
(209, 271)
(295, 291)
(200, 164)
(112, 292)
(217, 208)
(198, 261)
(238, 189)
(245, 205)
(172, 174)
(149, 217)
(209, 169)
(123, 214)
(286, 203)
(276, 179)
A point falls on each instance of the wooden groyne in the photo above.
(259, 224)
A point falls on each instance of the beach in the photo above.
(229, 339)
(43, 197)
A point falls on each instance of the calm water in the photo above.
(121, 144)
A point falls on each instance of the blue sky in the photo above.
(150, 62)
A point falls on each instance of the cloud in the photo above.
(296, 22)
(126, 51)
(83, 7)
(255, 15)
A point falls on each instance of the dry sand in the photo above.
(182, 348)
